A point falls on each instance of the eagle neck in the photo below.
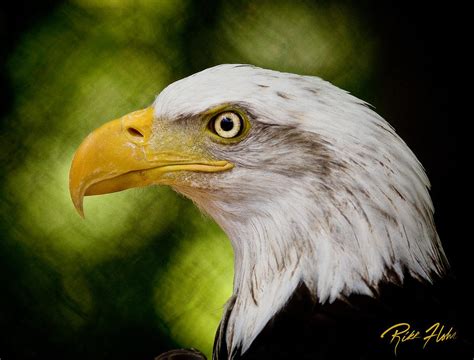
(268, 254)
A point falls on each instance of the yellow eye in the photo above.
(227, 125)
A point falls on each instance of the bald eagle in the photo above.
(327, 209)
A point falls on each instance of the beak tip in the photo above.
(76, 189)
(77, 198)
(78, 205)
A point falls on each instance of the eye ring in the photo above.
(227, 125)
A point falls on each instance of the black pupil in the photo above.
(227, 124)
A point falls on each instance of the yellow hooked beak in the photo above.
(119, 156)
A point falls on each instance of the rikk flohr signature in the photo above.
(403, 332)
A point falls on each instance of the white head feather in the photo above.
(324, 192)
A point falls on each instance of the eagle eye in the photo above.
(227, 125)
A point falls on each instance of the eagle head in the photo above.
(311, 186)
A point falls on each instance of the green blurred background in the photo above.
(145, 271)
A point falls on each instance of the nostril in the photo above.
(135, 133)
